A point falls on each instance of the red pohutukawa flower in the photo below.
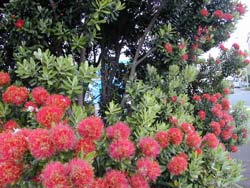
(184, 57)
(19, 23)
(55, 175)
(247, 61)
(85, 146)
(10, 125)
(138, 181)
(63, 137)
(218, 95)
(121, 149)
(193, 140)
(240, 8)
(225, 104)
(4, 78)
(12, 146)
(226, 134)
(198, 151)
(211, 140)
(187, 127)
(162, 138)
(148, 168)
(196, 98)
(98, 183)
(168, 48)
(10, 173)
(149, 147)
(173, 120)
(40, 144)
(120, 130)
(15, 95)
(175, 136)
(226, 91)
(115, 179)
(217, 110)
(177, 165)
(234, 149)
(236, 46)
(91, 127)
(80, 173)
(213, 99)
(40, 95)
(204, 12)
(59, 101)
(215, 126)
(30, 106)
(228, 17)
(218, 13)
(49, 115)
(244, 133)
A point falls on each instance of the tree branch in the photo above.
(82, 59)
(145, 56)
(142, 40)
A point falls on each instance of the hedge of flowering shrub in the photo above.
(214, 116)
(43, 148)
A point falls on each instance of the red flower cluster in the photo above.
(226, 16)
(48, 116)
(80, 173)
(177, 165)
(85, 146)
(148, 168)
(10, 172)
(19, 23)
(218, 13)
(91, 127)
(121, 149)
(240, 8)
(15, 95)
(63, 137)
(175, 135)
(115, 179)
(202, 114)
(226, 91)
(215, 126)
(12, 147)
(162, 138)
(149, 147)
(184, 57)
(137, 181)
(41, 144)
(193, 140)
(234, 149)
(196, 98)
(211, 140)
(4, 79)
(187, 128)
(204, 12)
(236, 46)
(10, 126)
(168, 48)
(55, 175)
(30, 106)
(59, 101)
(40, 95)
(119, 130)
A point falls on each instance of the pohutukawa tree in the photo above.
(166, 120)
